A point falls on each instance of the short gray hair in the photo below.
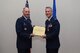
(48, 7)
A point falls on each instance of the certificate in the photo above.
(38, 31)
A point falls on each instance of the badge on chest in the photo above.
(49, 26)
(25, 28)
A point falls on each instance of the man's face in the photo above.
(26, 12)
(48, 12)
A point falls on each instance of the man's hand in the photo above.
(43, 36)
(32, 35)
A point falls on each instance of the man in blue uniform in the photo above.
(52, 27)
(24, 32)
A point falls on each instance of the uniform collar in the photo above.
(25, 17)
(49, 18)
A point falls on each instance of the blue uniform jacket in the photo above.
(52, 33)
(23, 30)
